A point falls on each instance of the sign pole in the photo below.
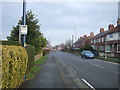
(24, 23)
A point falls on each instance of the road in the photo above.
(95, 73)
(64, 70)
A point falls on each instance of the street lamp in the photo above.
(24, 26)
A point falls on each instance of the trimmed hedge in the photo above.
(30, 50)
(13, 43)
(14, 65)
(31, 53)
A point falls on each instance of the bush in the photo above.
(13, 43)
(45, 52)
(31, 54)
(14, 65)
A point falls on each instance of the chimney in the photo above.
(110, 27)
(81, 37)
(101, 30)
(118, 21)
(85, 36)
(92, 34)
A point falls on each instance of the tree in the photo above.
(68, 44)
(34, 37)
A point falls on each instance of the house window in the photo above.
(94, 41)
(110, 48)
(107, 48)
(119, 35)
(118, 48)
(102, 48)
(111, 36)
(102, 39)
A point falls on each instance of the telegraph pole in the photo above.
(75, 33)
(72, 40)
(24, 23)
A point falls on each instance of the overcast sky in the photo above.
(60, 19)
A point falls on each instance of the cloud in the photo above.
(58, 19)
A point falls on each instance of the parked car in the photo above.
(87, 54)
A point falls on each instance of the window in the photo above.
(94, 41)
(102, 48)
(118, 48)
(102, 39)
(107, 48)
(111, 36)
(119, 35)
(110, 48)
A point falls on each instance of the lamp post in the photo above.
(24, 23)
(105, 47)
(72, 40)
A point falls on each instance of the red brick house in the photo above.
(107, 42)
(82, 41)
(113, 43)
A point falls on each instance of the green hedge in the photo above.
(30, 50)
(14, 65)
(31, 54)
(13, 43)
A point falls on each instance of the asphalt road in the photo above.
(95, 73)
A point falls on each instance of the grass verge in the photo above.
(41, 60)
(35, 68)
(109, 59)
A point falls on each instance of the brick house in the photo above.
(108, 42)
(82, 41)
(113, 43)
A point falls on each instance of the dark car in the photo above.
(87, 54)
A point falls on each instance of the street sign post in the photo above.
(23, 29)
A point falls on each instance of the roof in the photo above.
(116, 29)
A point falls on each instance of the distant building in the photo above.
(82, 41)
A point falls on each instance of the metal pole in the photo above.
(24, 22)
(105, 47)
(75, 33)
(72, 39)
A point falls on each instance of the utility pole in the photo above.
(105, 47)
(24, 23)
(72, 40)
(75, 33)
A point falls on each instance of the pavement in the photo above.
(64, 70)
(48, 77)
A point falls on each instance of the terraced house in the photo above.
(108, 42)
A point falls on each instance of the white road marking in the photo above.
(117, 72)
(97, 65)
(72, 69)
(88, 84)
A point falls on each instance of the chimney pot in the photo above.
(101, 30)
(85, 36)
(81, 37)
(92, 34)
(110, 27)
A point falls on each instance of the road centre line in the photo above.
(97, 65)
(117, 72)
(72, 69)
(88, 84)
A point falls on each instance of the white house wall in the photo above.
(112, 36)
